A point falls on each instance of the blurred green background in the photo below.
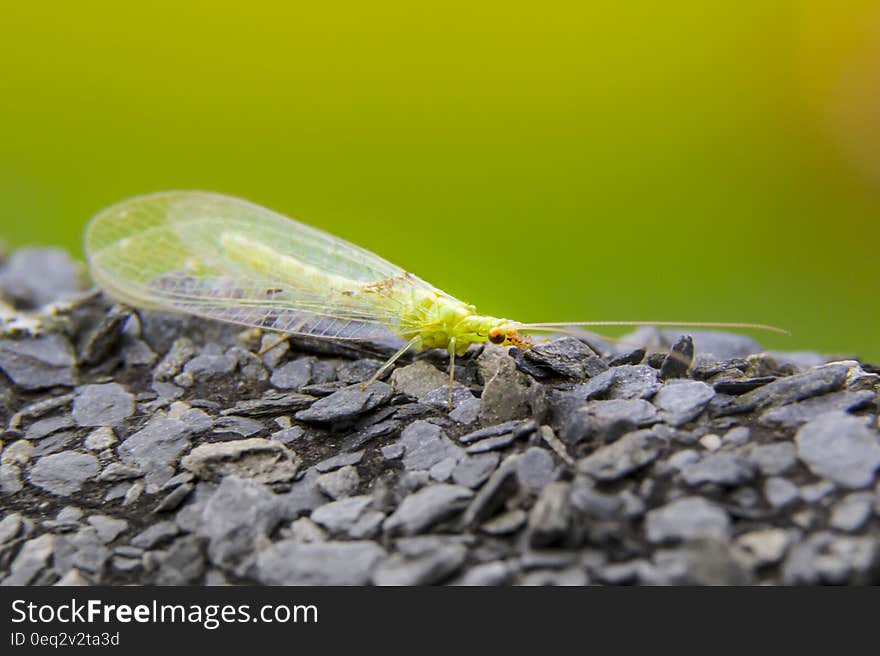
(545, 161)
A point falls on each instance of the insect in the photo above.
(224, 258)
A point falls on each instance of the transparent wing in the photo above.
(228, 259)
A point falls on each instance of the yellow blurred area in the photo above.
(544, 161)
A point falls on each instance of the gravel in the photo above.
(131, 454)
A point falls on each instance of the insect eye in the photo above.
(497, 336)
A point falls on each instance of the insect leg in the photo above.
(394, 358)
(451, 349)
(277, 342)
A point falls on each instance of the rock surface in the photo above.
(162, 449)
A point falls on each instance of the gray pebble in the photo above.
(64, 473)
(436, 562)
(683, 401)
(156, 448)
(108, 528)
(473, 471)
(426, 444)
(155, 534)
(535, 469)
(10, 478)
(351, 517)
(830, 559)
(102, 405)
(550, 516)
(780, 492)
(59, 276)
(722, 468)
(242, 426)
(607, 420)
(852, 512)
(628, 454)
(256, 458)
(346, 403)
(340, 483)
(32, 559)
(210, 366)
(236, 515)
(687, 518)
(490, 444)
(418, 379)
(47, 426)
(431, 505)
(794, 415)
(294, 375)
(290, 562)
(340, 460)
(774, 459)
(38, 362)
(840, 447)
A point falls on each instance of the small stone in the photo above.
(173, 499)
(721, 468)
(346, 403)
(305, 530)
(102, 405)
(840, 447)
(58, 276)
(17, 453)
(702, 562)
(10, 526)
(118, 472)
(180, 352)
(425, 444)
(393, 451)
(235, 517)
(242, 426)
(38, 362)
(505, 391)
(535, 469)
(765, 547)
(183, 563)
(32, 559)
(351, 517)
(687, 518)
(64, 473)
(155, 535)
(210, 366)
(628, 454)
(431, 505)
(294, 375)
(853, 512)
(157, 446)
(418, 379)
(682, 401)
(567, 357)
(108, 528)
(794, 415)
(812, 493)
(99, 439)
(257, 458)
(780, 492)
(738, 435)
(502, 485)
(10, 479)
(711, 442)
(473, 471)
(774, 459)
(682, 459)
(443, 469)
(826, 558)
(607, 420)
(790, 389)
(340, 460)
(288, 436)
(486, 574)
(429, 563)
(505, 523)
(290, 562)
(679, 359)
(44, 427)
(550, 516)
(73, 577)
(340, 483)
(490, 444)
